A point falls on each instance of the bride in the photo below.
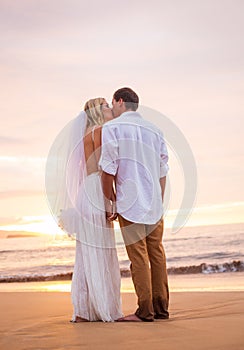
(76, 198)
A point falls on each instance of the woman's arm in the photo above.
(110, 198)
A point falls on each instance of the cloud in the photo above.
(20, 193)
(176, 33)
(10, 220)
(5, 140)
(21, 176)
(184, 58)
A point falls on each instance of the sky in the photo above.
(183, 58)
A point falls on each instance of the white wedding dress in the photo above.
(95, 286)
(77, 201)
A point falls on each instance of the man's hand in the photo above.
(111, 213)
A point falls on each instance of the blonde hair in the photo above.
(93, 109)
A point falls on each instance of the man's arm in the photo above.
(163, 184)
(164, 168)
(110, 198)
(109, 166)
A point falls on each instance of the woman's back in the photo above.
(92, 147)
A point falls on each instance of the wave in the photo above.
(234, 266)
(36, 278)
(211, 256)
(49, 249)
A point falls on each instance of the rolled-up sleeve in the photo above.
(109, 153)
(164, 168)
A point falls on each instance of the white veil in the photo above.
(75, 199)
(66, 171)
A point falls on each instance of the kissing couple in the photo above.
(114, 167)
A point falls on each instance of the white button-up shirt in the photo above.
(133, 149)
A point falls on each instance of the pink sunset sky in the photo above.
(184, 59)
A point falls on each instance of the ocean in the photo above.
(193, 250)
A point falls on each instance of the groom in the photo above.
(134, 159)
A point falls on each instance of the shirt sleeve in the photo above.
(109, 153)
(164, 168)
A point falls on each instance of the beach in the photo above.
(206, 282)
(199, 319)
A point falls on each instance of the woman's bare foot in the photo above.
(79, 319)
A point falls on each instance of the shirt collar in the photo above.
(130, 114)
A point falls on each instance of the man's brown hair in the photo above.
(129, 97)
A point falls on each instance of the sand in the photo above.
(198, 320)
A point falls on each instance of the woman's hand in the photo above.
(111, 211)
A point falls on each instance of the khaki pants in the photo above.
(148, 267)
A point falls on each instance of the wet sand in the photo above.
(198, 320)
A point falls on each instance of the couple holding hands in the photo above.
(115, 168)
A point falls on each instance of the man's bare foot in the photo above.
(130, 318)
